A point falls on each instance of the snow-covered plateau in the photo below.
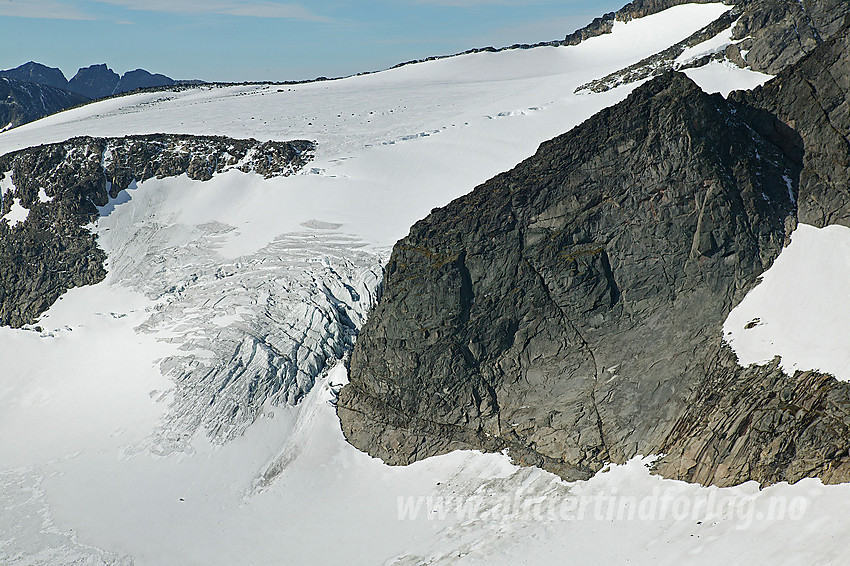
(140, 426)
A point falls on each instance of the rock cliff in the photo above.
(564, 310)
(571, 310)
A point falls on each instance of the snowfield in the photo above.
(181, 412)
(800, 309)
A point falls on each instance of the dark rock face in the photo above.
(615, 348)
(22, 102)
(779, 33)
(63, 184)
(758, 423)
(567, 309)
(94, 82)
(37, 73)
(813, 98)
(599, 26)
(131, 80)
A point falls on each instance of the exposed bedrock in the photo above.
(564, 309)
(571, 309)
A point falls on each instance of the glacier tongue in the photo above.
(251, 330)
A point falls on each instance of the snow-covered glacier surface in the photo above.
(181, 411)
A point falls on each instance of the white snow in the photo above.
(449, 96)
(42, 195)
(801, 309)
(6, 185)
(17, 214)
(330, 504)
(710, 46)
(103, 456)
(724, 77)
(57, 402)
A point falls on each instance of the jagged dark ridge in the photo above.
(813, 98)
(51, 251)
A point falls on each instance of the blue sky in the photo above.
(236, 40)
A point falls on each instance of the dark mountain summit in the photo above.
(95, 81)
(131, 80)
(99, 81)
(36, 90)
(571, 309)
(39, 74)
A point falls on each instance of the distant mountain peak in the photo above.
(140, 78)
(33, 72)
(95, 81)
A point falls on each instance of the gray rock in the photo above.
(564, 310)
(811, 100)
(760, 424)
(777, 34)
(571, 310)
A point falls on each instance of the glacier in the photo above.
(181, 411)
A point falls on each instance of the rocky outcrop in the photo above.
(62, 185)
(759, 424)
(777, 33)
(566, 310)
(22, 102)
(813, 99)
(571, 310)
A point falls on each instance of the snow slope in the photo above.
(724, 77)
(105, 456)
(800, 310)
